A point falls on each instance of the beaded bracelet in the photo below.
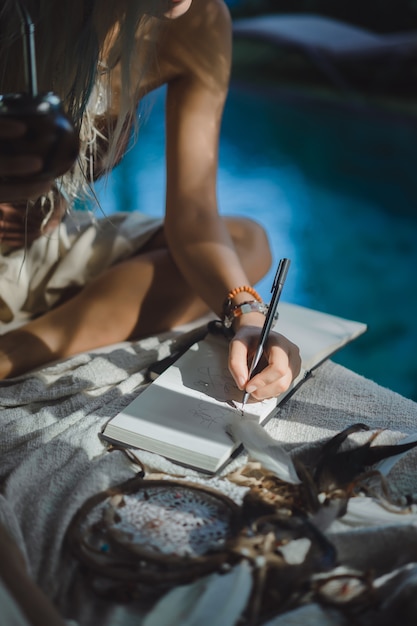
(230, 311)
(240, 309)
(244, 289)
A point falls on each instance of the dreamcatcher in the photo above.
(154, 531)
(149, 536)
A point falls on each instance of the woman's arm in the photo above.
(199, 46)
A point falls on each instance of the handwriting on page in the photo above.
(218, 384)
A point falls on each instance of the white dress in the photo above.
(32, 280)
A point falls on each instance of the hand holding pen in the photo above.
(276, 291)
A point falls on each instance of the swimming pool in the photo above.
(337, 190)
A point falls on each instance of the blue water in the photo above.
(336, 189)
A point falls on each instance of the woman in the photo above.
(169, 275)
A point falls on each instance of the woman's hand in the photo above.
(280, 363)
(23, 215)
(22, 223)
(19, 167)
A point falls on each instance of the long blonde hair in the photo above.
(79, 43)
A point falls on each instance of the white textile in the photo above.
(81, 247)
(52, 459)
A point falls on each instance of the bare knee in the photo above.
(252, 246)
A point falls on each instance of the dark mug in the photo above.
(49, 134)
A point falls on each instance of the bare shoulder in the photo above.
(197, 45)
(203, 13)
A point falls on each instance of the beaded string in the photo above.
(230, 311)
(244, 289)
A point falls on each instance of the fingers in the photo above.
(11, 129)
(19, 225)
(281, 363)
(12, 164)
(271, 381)
(19, 167)
(13, 230)
(13, 192)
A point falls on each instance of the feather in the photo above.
(337, 468)
(263, 448)
(386, 465)
(328, 512)
(364, 512)
(295, 551)
(199, 603)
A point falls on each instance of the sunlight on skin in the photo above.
(178, 8)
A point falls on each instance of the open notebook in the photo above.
(183, 415)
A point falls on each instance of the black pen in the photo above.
(276, 290)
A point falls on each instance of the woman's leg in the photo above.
(138, 297)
